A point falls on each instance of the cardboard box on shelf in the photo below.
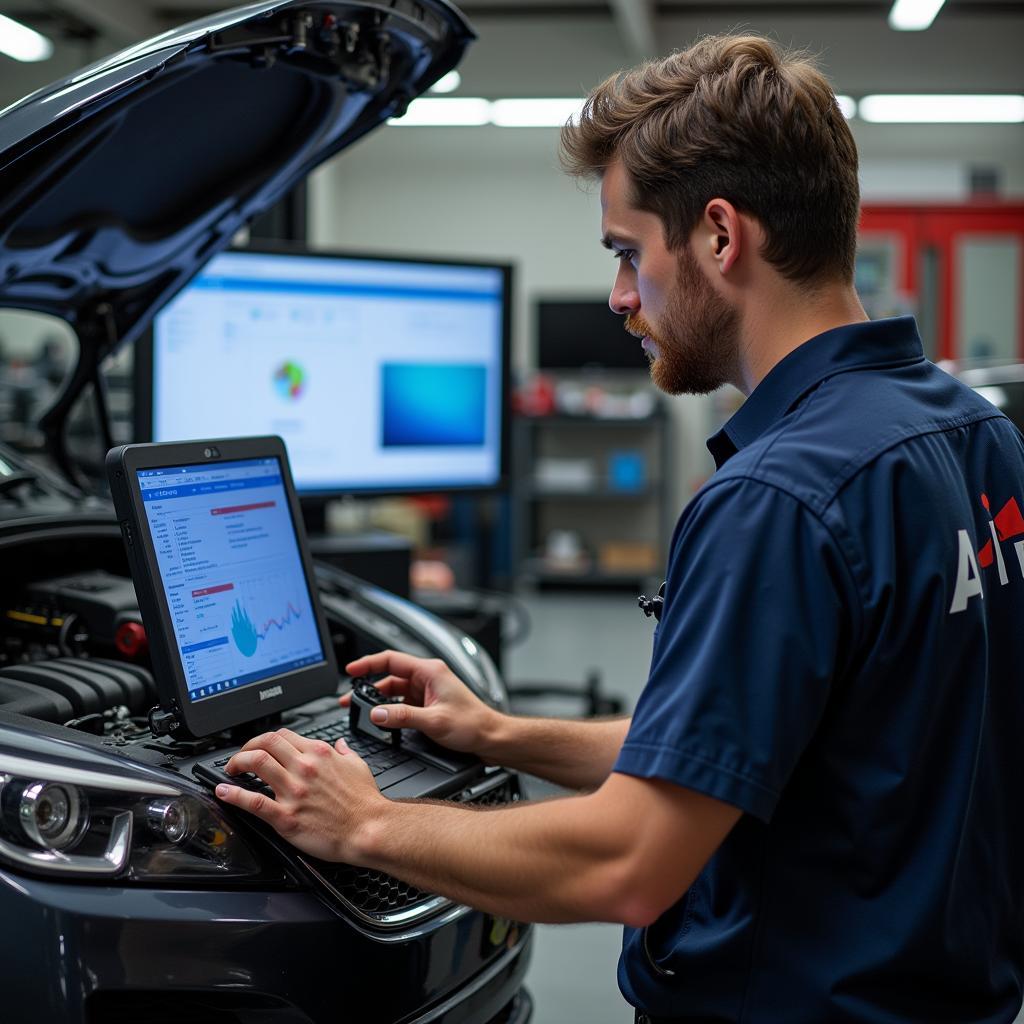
(627, 556)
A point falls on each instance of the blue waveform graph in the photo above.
(245, 633)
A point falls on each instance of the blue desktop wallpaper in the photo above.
(433, 404)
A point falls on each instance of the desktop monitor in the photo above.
(577, 334)
(381, 375)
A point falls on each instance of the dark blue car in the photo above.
(126, 892)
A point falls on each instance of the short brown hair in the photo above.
(732, 117)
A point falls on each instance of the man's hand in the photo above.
(323, 795)
(437, 702)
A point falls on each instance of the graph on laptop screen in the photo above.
(380, 375)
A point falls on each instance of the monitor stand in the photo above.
(314, 516)
(377, 556)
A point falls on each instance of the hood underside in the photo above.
(119, 183)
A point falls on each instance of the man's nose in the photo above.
(624, 299)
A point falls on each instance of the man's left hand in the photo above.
(322, 794)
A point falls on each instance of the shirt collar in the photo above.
(870, 344)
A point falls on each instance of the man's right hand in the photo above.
(437, 702)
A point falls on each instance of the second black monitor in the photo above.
(574, 334)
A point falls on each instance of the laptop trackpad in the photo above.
(398, 774)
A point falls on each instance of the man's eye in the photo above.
(625, 254)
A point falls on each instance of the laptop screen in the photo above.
(232, 574)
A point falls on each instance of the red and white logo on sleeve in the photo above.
(1004, 526)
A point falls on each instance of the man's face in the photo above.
(689, 332)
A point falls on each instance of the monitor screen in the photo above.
(584, 333)
(380, 375)
(231, 571)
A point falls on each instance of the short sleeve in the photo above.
(757, 624)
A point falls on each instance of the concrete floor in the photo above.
(572, 974)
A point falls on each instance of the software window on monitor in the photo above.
(380, 375)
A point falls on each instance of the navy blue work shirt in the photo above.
(841, 655)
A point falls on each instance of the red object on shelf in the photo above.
(536, 398)
(433, 506)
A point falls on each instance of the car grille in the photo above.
(374, 892)
(385, 901)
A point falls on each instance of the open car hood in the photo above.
(118, 183)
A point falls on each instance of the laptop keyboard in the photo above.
(380, 757)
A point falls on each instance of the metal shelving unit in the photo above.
(607, 516)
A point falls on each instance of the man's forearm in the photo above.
(574, 754)
(544, 862)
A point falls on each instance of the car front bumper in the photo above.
(86, 954)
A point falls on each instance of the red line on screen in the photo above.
(241, 508)
(206, 591)
(292, 612)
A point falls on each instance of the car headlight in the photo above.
(76, 822)
(51, 815)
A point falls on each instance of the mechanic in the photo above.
(813, 815)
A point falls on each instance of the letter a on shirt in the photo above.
(968, 579)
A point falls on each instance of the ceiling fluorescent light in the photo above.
(534, 113)
(942, 109)
(447, 83)
(913, 15)
(462, 110)
(23, 43)
(847, 106)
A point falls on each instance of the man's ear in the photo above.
(723, 231)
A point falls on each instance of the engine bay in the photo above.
(74, 655)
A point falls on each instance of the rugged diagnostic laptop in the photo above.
(224, 580)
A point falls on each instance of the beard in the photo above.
(697, 343)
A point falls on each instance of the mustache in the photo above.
(637, 326)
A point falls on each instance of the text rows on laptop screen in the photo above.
(231, 571)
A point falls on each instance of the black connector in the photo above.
(162, 722)
(365, 697)
(652, 605)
